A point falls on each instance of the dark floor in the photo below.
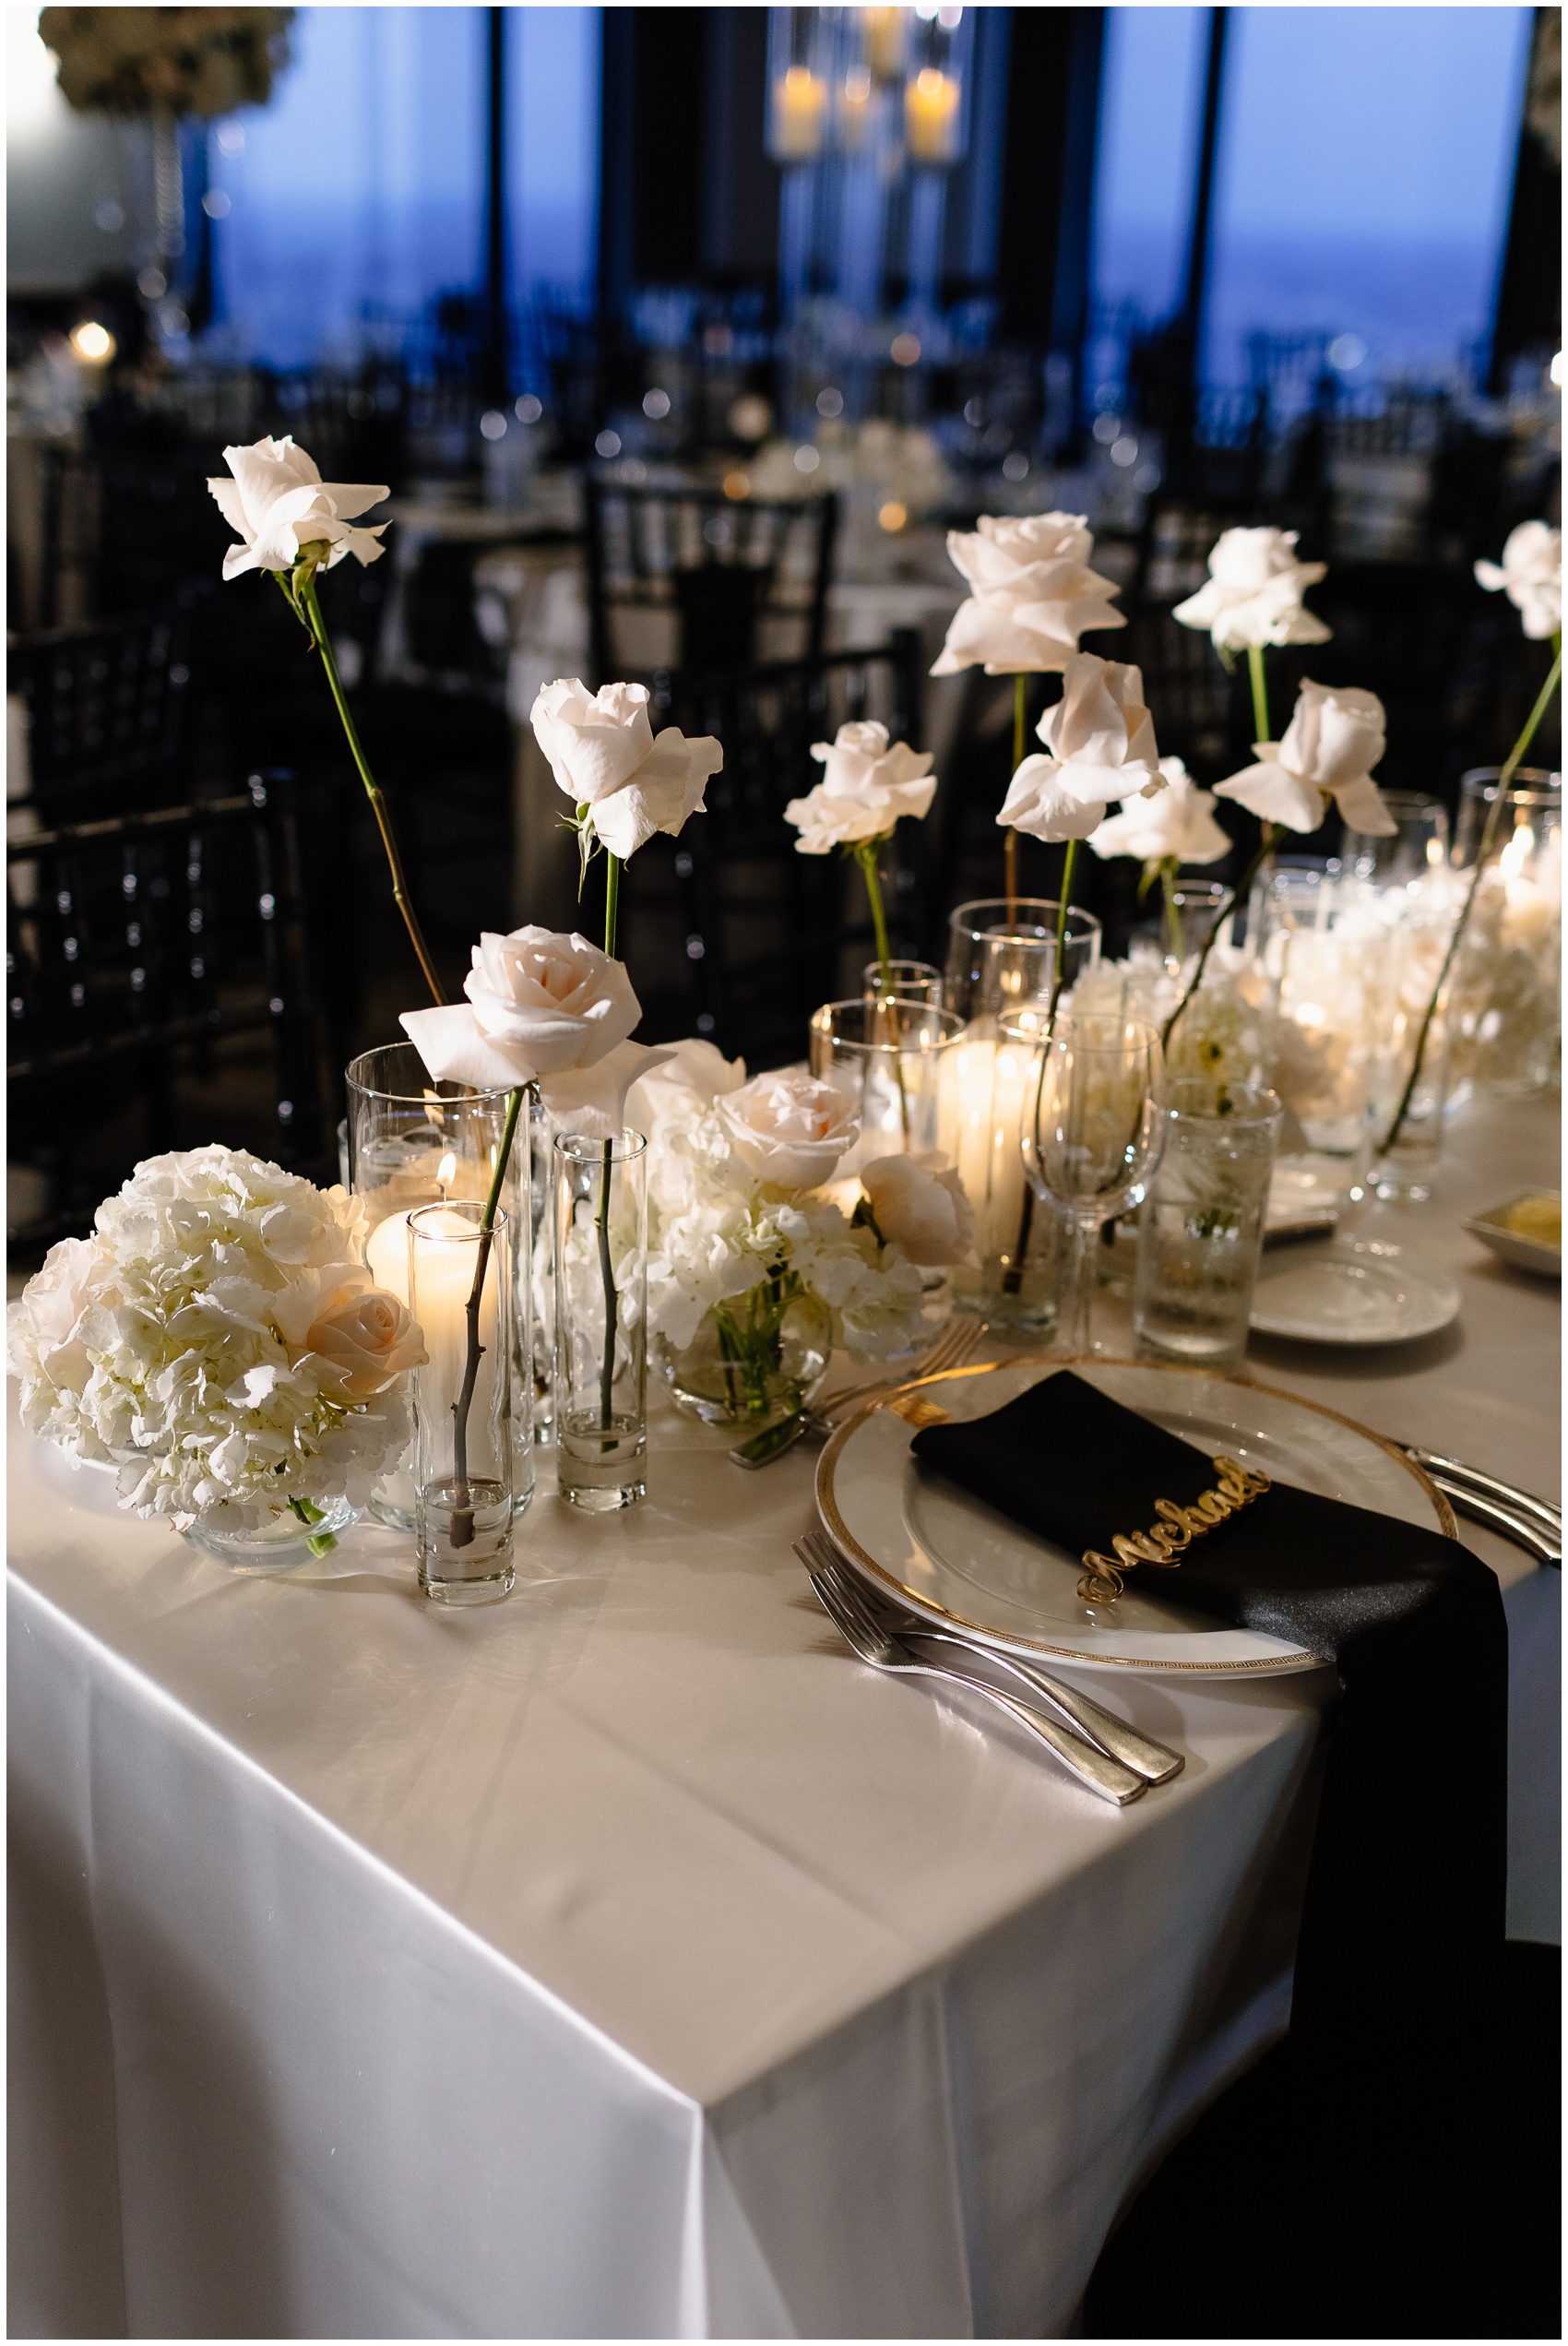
(1233, 2237)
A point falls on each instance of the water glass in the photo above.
(1092, 1137)
(460, 1289)
(601, 1374)
(1200, 1228)
(411, 1142)
(1002, 955)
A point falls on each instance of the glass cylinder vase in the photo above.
(1506, 997)
(896, 1063)
(1001, 955)
(460, 1291)
(601, 1374)
(413, 1143)
(1404, 1165)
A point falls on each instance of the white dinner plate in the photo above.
(1351, 1291)
(944, 1554)
(1512, 1245)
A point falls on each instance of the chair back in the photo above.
(765, 934)
(105, 709)
(720, 563)
(137, 945)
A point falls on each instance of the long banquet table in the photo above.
(622, 1960)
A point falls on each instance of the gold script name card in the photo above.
(1164, 1544)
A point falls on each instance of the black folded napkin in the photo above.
(1397, 1962)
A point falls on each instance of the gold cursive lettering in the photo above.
(1165, 1542)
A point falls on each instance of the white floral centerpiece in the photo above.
(219, 1339)
(755, 1270)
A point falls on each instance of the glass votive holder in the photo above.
(1002, 955)
(1418, 849)
(902, 982)
(600, 1376)
(1404, 1165)
(1024, 1245)
(411, 1143)
(1331, 961)
(461, 1290)
(898, 1064)
(1200, 1228)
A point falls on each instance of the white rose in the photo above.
(355, 1337)
(919, 1203)
(1101, 745)
(547, 1009)
(869, 785)
(278, 501)
(1331, 744)
(46, 1321)
(788, 1128)
(1176, 825)
(1032, 595)
(1252, 595)
(1531, 575)
(698, 1070)
(603, 753)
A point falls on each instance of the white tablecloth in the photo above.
(624, 1960)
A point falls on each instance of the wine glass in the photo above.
(1093, 1135)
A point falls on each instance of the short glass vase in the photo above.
(754, 1359)
(460, 1291)
(601, 1372)
(280, 1545)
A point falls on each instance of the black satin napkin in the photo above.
(1398, 1963)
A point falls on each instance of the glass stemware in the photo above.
(1094, 1138)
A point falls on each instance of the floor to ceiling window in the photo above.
(1365, 160)
(359, 194)
(1151, 107)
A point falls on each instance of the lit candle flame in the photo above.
(447, 1173)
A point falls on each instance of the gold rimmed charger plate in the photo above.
(948, 1557)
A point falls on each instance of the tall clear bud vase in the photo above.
(601, 1377)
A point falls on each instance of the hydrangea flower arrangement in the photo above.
(219, 1337)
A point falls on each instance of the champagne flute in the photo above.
(1092, 1134)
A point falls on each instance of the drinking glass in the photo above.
(1093, 1137)
(1000, 955)
(410, 1143)
(601, 1320)
(461, 1290)
(1200, 1228)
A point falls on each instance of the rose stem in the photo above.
(461, 1531)
(606, 1269)
(865, 856)
(1010, 838)
(377, 804)
(1488, 841)
(1169, 869)
(1013, 1278)
(1259, 690)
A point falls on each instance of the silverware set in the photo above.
(1101, 1751)
(951, 1350)
(1531, 1523)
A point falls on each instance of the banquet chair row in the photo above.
(719, 563)
(755, 936)
(105, 712)
(149, 956)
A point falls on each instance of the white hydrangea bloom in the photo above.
(159, 1343)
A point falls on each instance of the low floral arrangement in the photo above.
(741, 1230)
(219, 1339)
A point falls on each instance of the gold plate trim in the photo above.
(828, 1505)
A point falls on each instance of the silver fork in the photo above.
(1102, 1775)
(1508, 1494)
(1146, 1758)
(951, 1350)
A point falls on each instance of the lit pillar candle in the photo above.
(799, 101)
(931, 116)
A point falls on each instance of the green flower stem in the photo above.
(462, 1525)
(1168, 870)
(752, 1347)
(1010, 839)
(320, 1543)
(1059, 974)
(864, 852)
(1488, 842)
(1013, 1277)
(1259, 690)
(1264, 849)
(601, 1218)
(305, 600)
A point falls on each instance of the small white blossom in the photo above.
(1252, 596)
(869, 785)
(1531, 577)
(1176, 826)
(278, 501)
(1331, 744)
